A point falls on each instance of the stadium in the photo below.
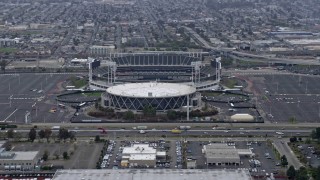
(161, 96)
(171, 67)
(161, 80)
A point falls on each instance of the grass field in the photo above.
(8, 50)
(78, 82)
(92, 94)
(230, 83)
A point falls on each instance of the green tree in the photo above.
(149, 111)
(41, 134)
(129, 115)
(45, 155)
(47, 133)
(3, 65)
(32, 134)
(292, 120)
(317, 173)
(291, 172)
(302, 174)
(97, 138)
(63, 134)
(65, 155)
(171, 114)
(284, 161)
(7, 146)
(10, 133)
(316, 133)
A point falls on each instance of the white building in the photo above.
(223, 154)
(141, 155)
(153, 174)
(18, 160)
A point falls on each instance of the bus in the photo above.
(70, 87)
(62, 106)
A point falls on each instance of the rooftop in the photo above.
(152, 89)
(154, 174)
(139, 149)
(19, 155)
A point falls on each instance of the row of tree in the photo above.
(46, 133)
(302, 173)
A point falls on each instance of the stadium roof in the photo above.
(151, 90)
(154, 174)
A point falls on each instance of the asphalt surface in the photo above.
(283, 95)
(284, 149)
(31, 92)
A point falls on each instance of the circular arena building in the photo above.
(161, 96)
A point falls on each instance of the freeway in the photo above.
(86, 132)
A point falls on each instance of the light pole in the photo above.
(306, 87)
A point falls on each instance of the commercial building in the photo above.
(154, 174)
(18, 160)
(223, 154)
(141, 155)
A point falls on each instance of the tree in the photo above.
(32, 134)
(3, 65)
(45, 155)
(316, 133)
(302, 174)
(63, 134)
(97, 138)
(171, 114)
(10, 133)
(291, 172)
(47, 134)
(292, 120)
(284, 161)
(318, 173)
(129, 115)
(293, 139)
(149, 111)
(65, 155)
(41, 134)
(7, 146)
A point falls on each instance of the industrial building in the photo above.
(18, 160)
(141, 155)
(161, 96)
(223, 154)
(154, 174)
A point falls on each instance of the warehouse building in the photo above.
(154, 174)
(141, 155)
(223, 154)
(18, 160)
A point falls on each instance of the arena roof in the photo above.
(154, 174)
(151, 90)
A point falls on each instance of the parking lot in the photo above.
(307, 153)
(83, 154)
(113, 154)
(288, 96)
(267, 162)
(34, 93)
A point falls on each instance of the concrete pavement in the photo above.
(284, 149)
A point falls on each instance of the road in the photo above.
(284, 149)
(87, 132)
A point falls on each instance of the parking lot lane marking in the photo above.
(9, 115)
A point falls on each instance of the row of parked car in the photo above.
(106, 158)
(179, 154)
